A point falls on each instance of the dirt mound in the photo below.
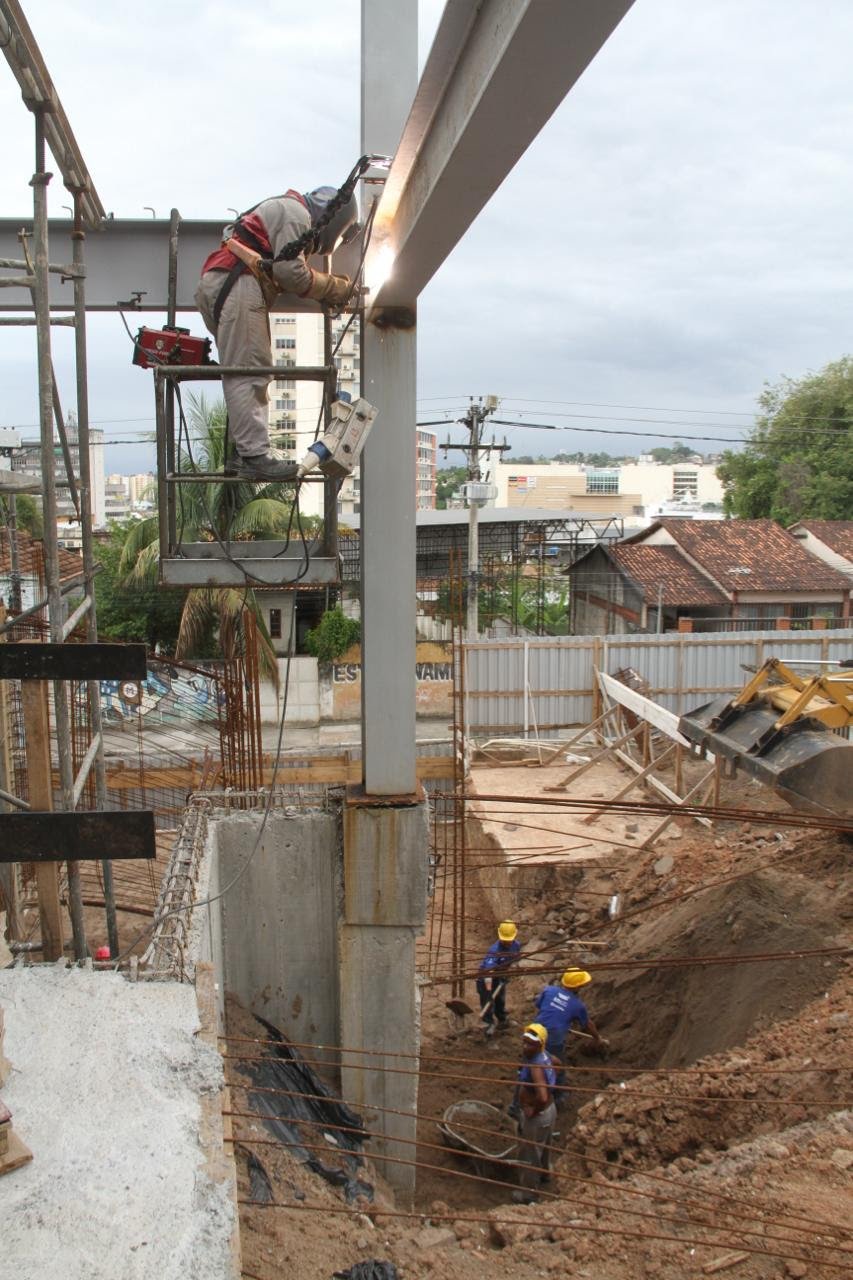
(671, 1016)
(781, 1077)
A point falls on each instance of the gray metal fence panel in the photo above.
(518, 687)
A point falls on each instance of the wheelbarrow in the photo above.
(462, 1127)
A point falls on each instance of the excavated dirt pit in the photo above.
(723, 1080)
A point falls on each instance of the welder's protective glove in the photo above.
(334, 290)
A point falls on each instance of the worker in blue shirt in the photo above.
(558, 1007)
(493, 976)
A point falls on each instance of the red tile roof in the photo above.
(837, 534)
(653, 567)
(751, 555)
(31, 557)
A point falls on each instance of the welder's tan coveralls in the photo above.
(243, 332)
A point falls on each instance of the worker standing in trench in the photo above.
(537, 1079)
(558, 1008)
(241, 280)
(493, 977)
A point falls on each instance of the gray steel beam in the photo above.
(130, 256)
(497, 71)
(389, 40)
(274, 564)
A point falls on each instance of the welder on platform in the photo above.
(241, 280)
(537, 1079)
(493, 976)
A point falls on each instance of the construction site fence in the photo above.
(539, 687)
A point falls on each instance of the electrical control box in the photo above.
(338, 449)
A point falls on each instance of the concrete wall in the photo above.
(279, 921)
(303, 695)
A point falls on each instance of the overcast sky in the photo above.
(676, 236)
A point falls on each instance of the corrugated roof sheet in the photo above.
(752, 555)
(656, 567)
(837, 534)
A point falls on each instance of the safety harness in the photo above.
(254, 256)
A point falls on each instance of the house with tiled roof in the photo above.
(830, 540)
(706, 576)
(30, 567)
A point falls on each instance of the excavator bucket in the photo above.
(806, 764)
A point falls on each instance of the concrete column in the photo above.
(385, 893)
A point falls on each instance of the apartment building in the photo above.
(294, 407)
(29, 460)
(634, 490)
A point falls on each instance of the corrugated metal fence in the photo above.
(524, 687)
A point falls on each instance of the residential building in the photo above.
(30, 557)
(830, 540)
(142, 489)
(634, 490)
(117, 505)
(692, 575)
(29, 460)
(294, 407)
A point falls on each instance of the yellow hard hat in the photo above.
(575, 978)
(507, 931)
(535, 1031)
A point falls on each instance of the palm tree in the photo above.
(231, 511)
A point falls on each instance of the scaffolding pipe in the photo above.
(78, 239)
(70, 623)
(71, 585)
(41, 302)
(57, 405)
(86, 768)
(68, 321)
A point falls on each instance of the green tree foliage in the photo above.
(211, 617)
(28, 515)
(798, 463)
(142, 612)
(447, 481)
(677, 453)
(332, 636)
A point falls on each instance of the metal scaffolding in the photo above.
(79, 759)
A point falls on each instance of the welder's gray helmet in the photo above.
(345, 218)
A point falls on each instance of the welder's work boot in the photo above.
(267, 466)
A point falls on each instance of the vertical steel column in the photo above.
(330, 486)
(78, 238)
(39, 184)
(388, 84)
(169, 387)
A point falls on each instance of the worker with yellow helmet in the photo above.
(493, 976)
(559, 1008)
(536, 1085)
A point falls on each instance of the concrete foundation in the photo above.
(385, 858)
(318, 936)
(278, 947)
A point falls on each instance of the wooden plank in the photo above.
(37, 728)
(651, 712)
(44, 837)
(17, 1154)
(73, 662)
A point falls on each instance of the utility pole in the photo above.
(476, 494)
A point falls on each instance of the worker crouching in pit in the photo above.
(493, 977)
(537, 1079)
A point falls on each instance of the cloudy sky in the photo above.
(676, 236)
